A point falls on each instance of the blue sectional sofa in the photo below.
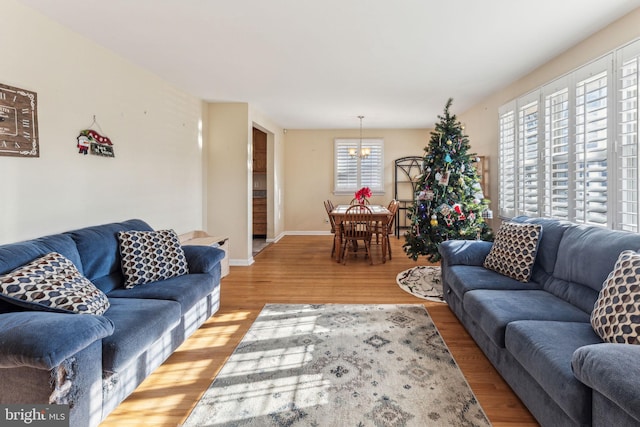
(93, 362)
(538, 334)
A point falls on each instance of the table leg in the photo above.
(384, 247)
(338, 243)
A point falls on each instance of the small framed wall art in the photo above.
(18, 122)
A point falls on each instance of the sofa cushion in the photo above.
(552, 232)
(186, 290)
(14, 255)
(587, 254)
(52, 283)
(494, 310)
(464, 278)
(149, 256)
(99, 249)
(138, 324)
(44, 340)
(544, 349)
(514, 250)
(616, 315)
(611, 370)
(202, 259)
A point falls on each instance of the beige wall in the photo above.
(482, 120)
(228, 183)
(308, 159)
(229, 180)
(164, 172)
(156, 174)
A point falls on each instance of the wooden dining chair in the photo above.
(328, 205)
(388, 230)
(357, 226)
(355, 201)
(382, 230)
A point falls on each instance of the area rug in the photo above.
(340, 365)
(424, 281)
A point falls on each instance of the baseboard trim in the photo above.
(241, 262)
(308, 233)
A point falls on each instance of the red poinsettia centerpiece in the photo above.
(363, 194)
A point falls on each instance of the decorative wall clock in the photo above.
(18, 122)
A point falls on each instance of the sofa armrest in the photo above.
(612, 370)
(202, 259)
(464, 252)
(44, 340)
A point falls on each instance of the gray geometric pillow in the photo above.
(52, 283)
(616, 313)
(514, 250)
(149, 256)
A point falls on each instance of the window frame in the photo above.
(365, 171)
(580, 149)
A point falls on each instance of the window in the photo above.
(358, 163)
(528, 158)
(627, 128)
(569, 149)
(507, 199)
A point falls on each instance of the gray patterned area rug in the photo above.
(423, 281)
(340, 365)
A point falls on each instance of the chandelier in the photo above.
(364, 151)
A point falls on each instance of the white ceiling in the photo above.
(314, 64)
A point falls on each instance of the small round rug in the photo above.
(424, 281)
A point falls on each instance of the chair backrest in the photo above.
(393, 209)
(355, 201)
(328, 206)
(358, 222)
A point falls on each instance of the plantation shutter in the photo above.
(346, 167)
(627, 153)
(591, 155)
(372, 166)
(557, 150)
(353, 170)
(507, 143)
(527, 158)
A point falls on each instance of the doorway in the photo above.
(259, 190)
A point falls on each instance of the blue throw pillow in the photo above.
(52, 283)
(514, 250)
(149, 256)
(616, 313)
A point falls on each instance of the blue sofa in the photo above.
(538, 334)
(93, 362)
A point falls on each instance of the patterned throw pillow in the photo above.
(149, 256)
(53, 283)
(616, 313)
(514, 250)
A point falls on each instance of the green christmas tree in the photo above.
(448, 203)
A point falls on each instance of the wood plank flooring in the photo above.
(298, 269)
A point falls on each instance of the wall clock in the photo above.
(18, 122)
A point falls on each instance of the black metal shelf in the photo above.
(407, 172)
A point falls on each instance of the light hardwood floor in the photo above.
(298, 269)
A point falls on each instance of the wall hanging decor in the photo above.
(18, 122)
(91, 141)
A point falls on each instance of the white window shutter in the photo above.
(528, 169)
(627, 137)
(557, 201)
(346, 166)
(353, 170)
(591, 146)
(507, 164)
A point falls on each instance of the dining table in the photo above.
(378, 212)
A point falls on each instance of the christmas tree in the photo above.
(449, 202)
